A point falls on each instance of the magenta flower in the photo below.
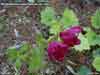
(75, 30)
(69, 37)
(57, 51)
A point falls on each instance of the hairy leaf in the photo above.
(96, 63)
(40, 41)
(97, 40)
(31, 1)
(12, 54)
(84, 45)
(96, 19)
(96, 52)
(55, 28)
(47, 16)
(18, 1)
(84, 70)
(42, 1)
(69, 18)
(36, 61)
(91, 36)
(24, 48)
(18, 63)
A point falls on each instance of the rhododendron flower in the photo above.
(57, 51)
(75, 30)
(69, 36)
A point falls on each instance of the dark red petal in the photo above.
(57, 51)
(75, 30)
(69, 36)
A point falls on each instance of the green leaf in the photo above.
(2, 19)
(96, 19)
(24, 48)
(97, 40)
(91, 36)
(42, 1)
(55, 28)
(84, 45)
(23, 57)
(69, 18)
(18, 0)
(36, 61)
(31, 1)
(96, 63)
(40, 41)
(18, 63)
(96, 52)
(12, 54)
(83, 70)
(47, 16)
